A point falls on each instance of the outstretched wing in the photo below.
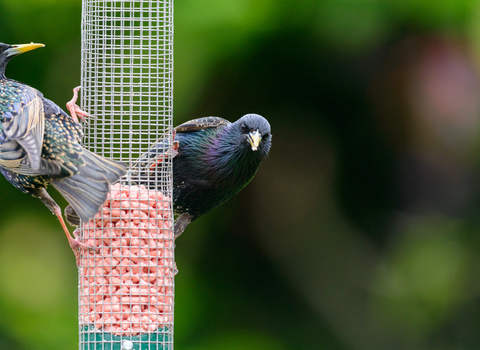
(201, 123)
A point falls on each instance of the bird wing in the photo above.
(60, 146)
(201, 123)
(25, 124)
(144, 169)
(14, 157)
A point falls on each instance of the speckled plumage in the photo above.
(60, 153)
(41, 145)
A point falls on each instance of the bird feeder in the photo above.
(126, 285)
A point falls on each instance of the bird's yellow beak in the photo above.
(19, 49)
(254, 139)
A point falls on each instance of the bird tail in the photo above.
(87, 190)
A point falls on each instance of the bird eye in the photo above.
(243, 128)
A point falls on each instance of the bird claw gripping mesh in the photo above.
(75, 110)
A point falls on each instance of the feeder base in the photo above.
(92, 339)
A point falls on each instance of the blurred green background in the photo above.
(361, 230)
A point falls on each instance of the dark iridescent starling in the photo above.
(40, 145)
(215, 160)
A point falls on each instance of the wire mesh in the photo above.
(126, 287)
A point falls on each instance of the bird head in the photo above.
(9, 51)
(255, 131)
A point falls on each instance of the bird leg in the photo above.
(181, 224)
(74, 109)
(75, 244)
(76, 251)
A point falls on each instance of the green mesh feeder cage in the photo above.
(126, 286)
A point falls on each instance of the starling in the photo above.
(214, 159)
(40, 145)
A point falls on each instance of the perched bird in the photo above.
(213, 160)
(40, 145)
